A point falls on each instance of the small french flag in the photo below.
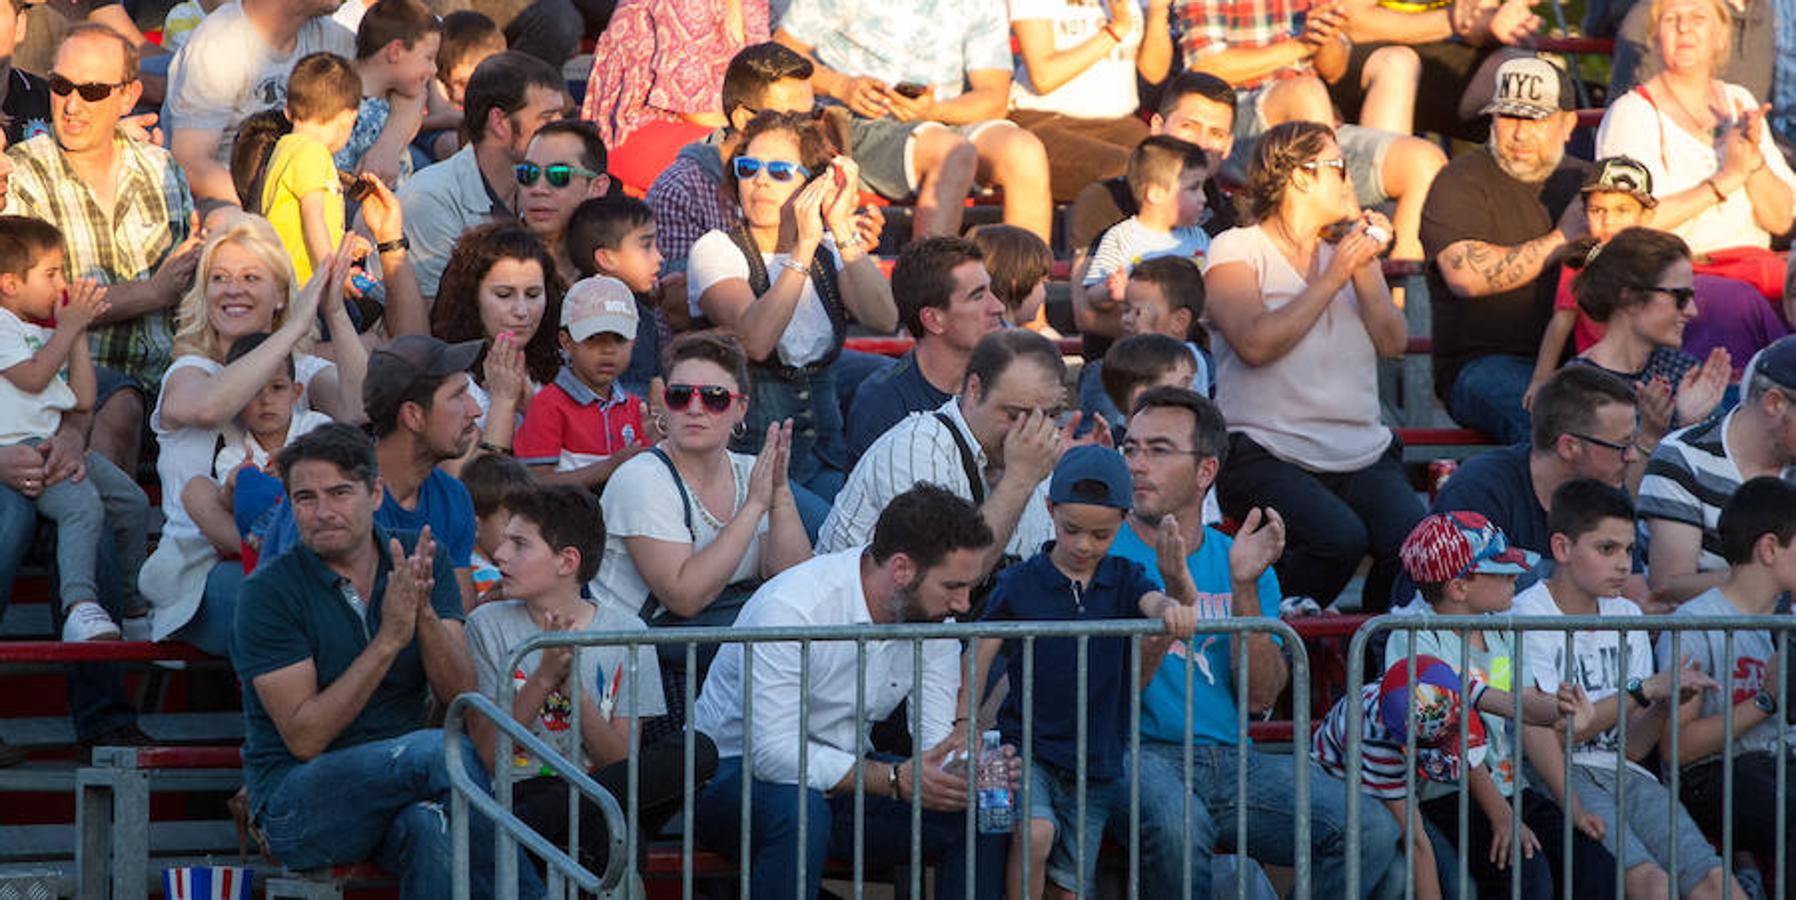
(207, 883)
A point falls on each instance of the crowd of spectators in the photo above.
(434, 339)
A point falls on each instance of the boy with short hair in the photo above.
(1166, 177)
(1758, 537)
(580, 428)
(1463, 565)
(1592, 539)
(616, 236)
(1134, 364)
(1075, 578)
(552, 546)
(46, 372)
(491, 479)
(302, 194)
(396, 48)
(469, 37)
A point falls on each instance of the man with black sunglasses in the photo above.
(123, 207)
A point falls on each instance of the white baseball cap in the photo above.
(600, 304)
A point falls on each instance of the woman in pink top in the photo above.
(663, 61)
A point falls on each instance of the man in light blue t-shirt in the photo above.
(1176, 439)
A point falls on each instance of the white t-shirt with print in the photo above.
(1596, 663)
(27, 415)
(1106, 89)
(714, 258)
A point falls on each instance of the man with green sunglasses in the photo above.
(564, 166)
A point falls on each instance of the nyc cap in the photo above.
(1622, 175)
(1439, 700)
(596, 305)
(1092, 475)
(1453, 545)
(1529, 87)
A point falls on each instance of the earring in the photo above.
(660, 422)
(740, 429)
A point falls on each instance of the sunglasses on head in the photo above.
(715, 397)
(92, 91)
(559, 174)
(777, 169)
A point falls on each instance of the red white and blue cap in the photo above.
(1452, 545)
(207, 883)
(1437, 694)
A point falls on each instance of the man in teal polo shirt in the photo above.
(343, 639)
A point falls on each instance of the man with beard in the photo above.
(928, 551)
(419, 407)
(340, 642)
(1175, 444)
(1492, 222)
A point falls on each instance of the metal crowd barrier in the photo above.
(564, 867)
(1516, 626)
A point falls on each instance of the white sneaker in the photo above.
(88, 622)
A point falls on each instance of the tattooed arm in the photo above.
(1477, 269)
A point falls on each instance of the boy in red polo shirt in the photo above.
(583, 426)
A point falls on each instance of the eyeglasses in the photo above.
(1338, 164)
(1153, 452)
(92, 91)
(1683, 296)
(715, 397)
(559, 174)
(748, 167)
(1623, 449)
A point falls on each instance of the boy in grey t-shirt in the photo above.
(1758, 538)
(553, 544)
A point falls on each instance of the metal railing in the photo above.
(1673, 627)
(624, 831)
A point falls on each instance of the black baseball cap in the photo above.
(393, 370)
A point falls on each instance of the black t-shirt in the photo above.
(27, 107)
(1473, 199)
(1102, 204)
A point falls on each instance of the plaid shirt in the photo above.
(1212, 26)
(152, 213)
(688, 204)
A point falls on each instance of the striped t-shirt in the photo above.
(1689, 478)
(1381, 758)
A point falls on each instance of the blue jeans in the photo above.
(1487, 395)
(1164, 837)
(829, 824)
(819, 458)
(386, 801)
(96, 691)
(1271, 815)
(214, 621)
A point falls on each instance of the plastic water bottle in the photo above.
(997, 811)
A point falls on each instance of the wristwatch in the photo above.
(1766, 703)
(389, 246)
(1635, 691)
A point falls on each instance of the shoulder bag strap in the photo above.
(967, 460)
(650, 606)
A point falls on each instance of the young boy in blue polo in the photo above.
(1075, 578)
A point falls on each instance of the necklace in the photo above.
(1713, 130)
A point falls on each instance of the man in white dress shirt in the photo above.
(928, 551)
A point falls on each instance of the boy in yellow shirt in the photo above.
(302, 194)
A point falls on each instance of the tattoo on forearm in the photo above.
(1501, 268)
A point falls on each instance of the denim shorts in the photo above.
(1054, 797)
(1363, 148)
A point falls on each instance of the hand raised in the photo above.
(1259, 543)
(1032, 447)
(1170, 553)
(506, 375)
(409, 587)
(1702, 387)
(84, 302)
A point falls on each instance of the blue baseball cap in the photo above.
(1092, 475)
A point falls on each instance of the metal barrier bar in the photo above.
(1517, 627)
(564, 868)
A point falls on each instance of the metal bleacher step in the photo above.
(22, 843)
(56, 878)
(168, 728)
(57, 775)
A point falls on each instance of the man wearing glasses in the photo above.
(1694, 471)
(1492, 223)
(564, 165)
(123, 207)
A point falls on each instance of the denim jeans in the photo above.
(829, 824)
(1271, 815)
(819, 459)
(96, 691)
(214, 621)
(1335, 519)
(386, 801)
(1164, 837)
(1487, 396)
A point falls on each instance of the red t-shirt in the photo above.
(568, 425)
(1588, 330)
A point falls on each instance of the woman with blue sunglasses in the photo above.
(786, 280)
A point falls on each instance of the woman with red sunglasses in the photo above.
(786, 280)
(692, 527)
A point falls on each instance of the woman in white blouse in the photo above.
(1721, 181)
(785, 280)
(1303, 322)
(244, 286)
